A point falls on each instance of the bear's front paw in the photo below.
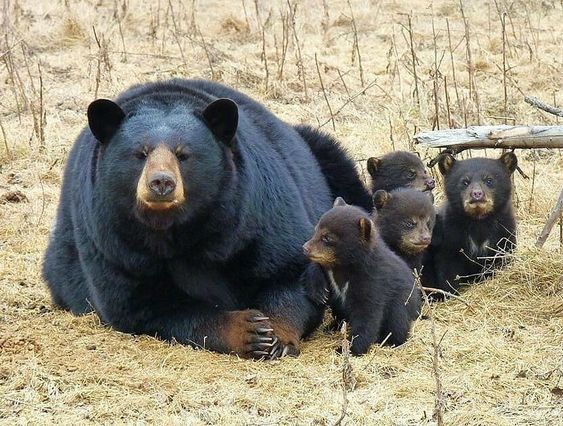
(249, 334)
(288, 339)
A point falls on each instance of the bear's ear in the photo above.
(381, 198)
(509, 160)
(365, 226)
(446, 163)
(221, 117)
(104, 118)
(338, 202)
(373, 165)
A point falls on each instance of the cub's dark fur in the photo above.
(399, 169)
(336, 165)
(475, 227)
(405, 219)
(183, 212)
(371, 287)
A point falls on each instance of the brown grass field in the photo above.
(499, 360)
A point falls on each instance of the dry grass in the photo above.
(500, 363)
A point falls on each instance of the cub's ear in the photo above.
(104, 118)
(381, 198)
(339, 202)
(373, 165)
(509, 160)
(221, 117)
(446, 163)
(365, 225)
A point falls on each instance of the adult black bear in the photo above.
(475, 228)
(405, 218)
(183, 211)
(371, 287)
(336, 165)
(399, 169)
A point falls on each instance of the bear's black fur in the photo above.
(371, 287)
(183, 215)
(475, 227)
(339, 170)
(399, 169)
(405, 219)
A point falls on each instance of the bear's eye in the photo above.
(465, 182)
(409, 224)
(181, 156)
(326, 239)
(411, 174)
(142, 154)
(489, 181)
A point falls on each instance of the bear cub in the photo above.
(399, 169)
(370, 287)
(476, 228)
(405, 218)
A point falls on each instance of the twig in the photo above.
(448, 294)
(265, 60)
(532, 100)
(504, 70)
(413, 55)
(348, 381)
(554, 215)
(439, 398)
(175, 33)
(356, 45)
(324, 93)
(300, 65)
(350, 99)
(8, 151)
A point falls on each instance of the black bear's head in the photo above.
(405, 218)
(478, 187)
(166, 163)
(399, 169)
(342, 237)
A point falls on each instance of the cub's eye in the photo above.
(326, 239)
(181, 156)
(465, 182)
(409, 224)
(489, 181)
(411, 174)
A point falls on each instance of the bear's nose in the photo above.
(430, 183)
(162, 183)
(426, 239)
(477, 194)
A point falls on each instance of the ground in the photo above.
(499, 354)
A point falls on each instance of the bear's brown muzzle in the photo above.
(160, 185)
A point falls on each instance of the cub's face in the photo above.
(405, 219)
(342, 235)
(478, 187)
(399, 169)
(166, 166)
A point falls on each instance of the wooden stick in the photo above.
(532, 100)
(554, 215)
(502, 136)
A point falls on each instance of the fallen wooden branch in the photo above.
(532, 100)
(502, 136)
(555, 214)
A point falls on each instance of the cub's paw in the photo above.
(319, 294)
(249, 334)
